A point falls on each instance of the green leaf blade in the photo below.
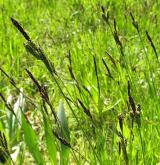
(31, 141)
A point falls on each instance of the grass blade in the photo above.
(50, 140)
(64, 154)
(31, 140)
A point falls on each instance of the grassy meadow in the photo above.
(80, 82)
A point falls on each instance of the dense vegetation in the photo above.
(79, 82)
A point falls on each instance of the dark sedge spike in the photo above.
(132, 17)
(131, 100)
(38, 53)
(119, 134)
(106, 66)
(128, 107)
(86, 89)
(138, 115)
(111, 58)
(32, 49)
(70, 58)
(19, 27)
(119, 148)
(115, 25)
(74, 78)
(71, 73)
(41, 89)
(96, 71)
(116, 37)
(45, 108)
(33, 79)
(9, 107)
(5, 145)
(5, 141)
(104, 14)
(70, 100)
(43, 92)
(120, 118)
(129, 89)
(4, 152)
(86, 111)
(62, 140)
(66, 143)
(10, 79)
(103, 10)
(134, 22)
(139, 108)
(123, 142)
(152, 44)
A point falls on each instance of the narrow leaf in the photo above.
(50, 140)
(31, 140)
(64, 154)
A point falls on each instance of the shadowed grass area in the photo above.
(79, 82)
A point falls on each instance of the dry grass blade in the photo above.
(19, 27)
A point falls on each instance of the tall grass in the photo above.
(79, 82)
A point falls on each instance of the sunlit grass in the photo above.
(101, 60)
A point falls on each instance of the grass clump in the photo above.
(85, 88)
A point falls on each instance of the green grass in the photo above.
(101, 103)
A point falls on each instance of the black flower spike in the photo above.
(104, 15)
(4, 153)
(152, 44)
(121, 118)
(134, 22)
(19, 27)
(130, 98)
(86, 111)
